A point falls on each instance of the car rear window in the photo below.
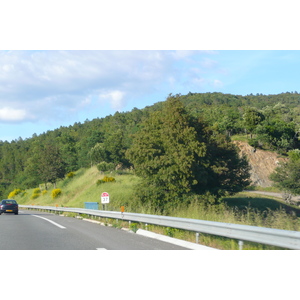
(9, 202)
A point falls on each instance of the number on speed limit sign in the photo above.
(104, 198)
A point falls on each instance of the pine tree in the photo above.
(175, 155)
(51, 165)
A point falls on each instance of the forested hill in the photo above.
(272, 122)
(259, 100)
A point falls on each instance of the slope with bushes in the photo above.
(242, 208)
(83, 187)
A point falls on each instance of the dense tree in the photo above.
(51, 166)
(67, 146)
(252, 117)
(175, 155)
(166, 149)
(228, 173)
(98, 154)
(287, 175)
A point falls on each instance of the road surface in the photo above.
(34, 230)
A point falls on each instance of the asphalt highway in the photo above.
(34, 230)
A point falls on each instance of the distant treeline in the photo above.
(270, 121)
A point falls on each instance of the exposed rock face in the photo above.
(262, 163)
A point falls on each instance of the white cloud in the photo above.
(202, 82)
(7, 68)
(199, 82)
(48, 73)
(218, 83)
(209, 63)
(115, 98)
(12, 115)
(172, 80)
(56, 85)
(180, 54)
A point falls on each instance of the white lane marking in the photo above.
(101, 249)
(54, 223)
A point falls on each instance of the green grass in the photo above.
(83, 188)
(264, 189)
(244, 201)
(239, 137)
(243, 208)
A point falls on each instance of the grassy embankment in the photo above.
(82, 188)
(243, 208)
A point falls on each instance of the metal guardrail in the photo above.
(269, 236)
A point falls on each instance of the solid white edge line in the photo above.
(174, 241)
(54, 223)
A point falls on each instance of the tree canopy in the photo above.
(287, 174)
(206, 122)
(176, 154)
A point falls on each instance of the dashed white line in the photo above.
(54, 223)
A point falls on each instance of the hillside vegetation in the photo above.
(180, 149)
(243, 208)
(81, 188)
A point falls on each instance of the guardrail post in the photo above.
(241, 243)
(197, 237)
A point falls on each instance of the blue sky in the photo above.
(43, 90)
(102, 57)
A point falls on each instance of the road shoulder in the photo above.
(171, 240)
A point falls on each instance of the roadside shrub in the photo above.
(169, 231)
(70, 175)
(134, 227)
(108, 179)
(14, 193)
(36, 193)
(44, 192)
(55, 193)
(34, 196)
(99, 181)
(105, 179)
(105, 166)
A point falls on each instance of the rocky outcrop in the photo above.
(262, 163)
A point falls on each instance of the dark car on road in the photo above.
(9, 206)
